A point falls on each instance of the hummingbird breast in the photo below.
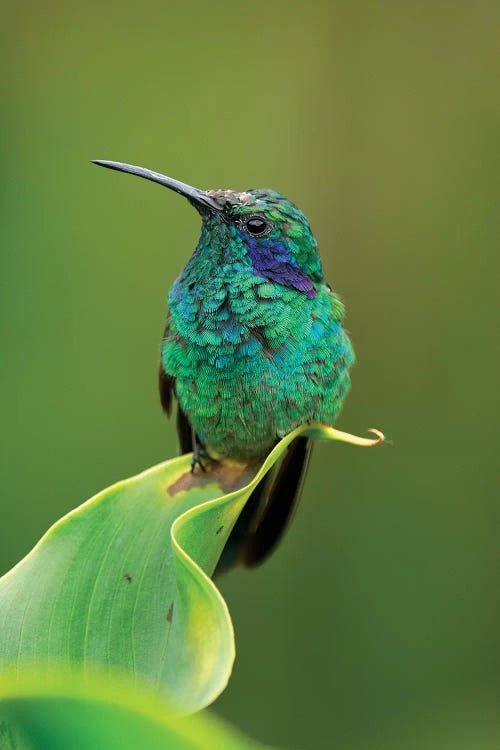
(253, 359)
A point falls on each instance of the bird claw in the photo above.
(200, 457)
(197, 462)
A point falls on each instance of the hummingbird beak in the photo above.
(199, 198)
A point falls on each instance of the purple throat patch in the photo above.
(274, 262)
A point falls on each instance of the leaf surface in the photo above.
(123, 581)
(51, 711)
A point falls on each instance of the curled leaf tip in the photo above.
(324, 432)
(380, 437)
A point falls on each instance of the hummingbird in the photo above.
(253, 347)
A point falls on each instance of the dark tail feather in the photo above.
(283, 498)
(268, 511)
(245, 525)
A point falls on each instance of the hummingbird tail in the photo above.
(268, 511)
(281, 504)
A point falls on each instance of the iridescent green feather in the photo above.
(253, 357)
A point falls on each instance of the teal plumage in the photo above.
(253, 358)
(253, 347)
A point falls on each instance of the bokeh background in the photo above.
(375, 625)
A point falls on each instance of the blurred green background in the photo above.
(376, 623)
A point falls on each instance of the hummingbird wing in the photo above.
(167, 390)
(167, 393)
(184, 432)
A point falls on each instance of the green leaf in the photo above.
(124, 581)
(54, 712)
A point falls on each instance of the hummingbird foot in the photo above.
(200, 455)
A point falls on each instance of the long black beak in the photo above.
(198, 197)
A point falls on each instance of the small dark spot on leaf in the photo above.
(219, 529)
(128, 577)
(170, 613)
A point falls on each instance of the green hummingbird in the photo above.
(253, 347)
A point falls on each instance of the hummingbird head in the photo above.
(271, 232)
(261, 227)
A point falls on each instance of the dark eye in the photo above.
(258, 226)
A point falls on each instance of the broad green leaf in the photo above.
(124, 581)
(55, 712)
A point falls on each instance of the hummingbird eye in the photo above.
(257, 226)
